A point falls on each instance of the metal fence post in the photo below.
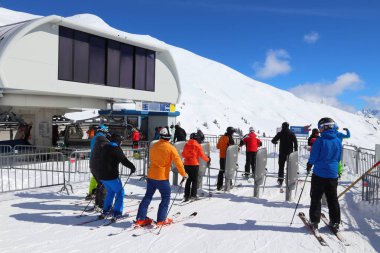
(357, 160)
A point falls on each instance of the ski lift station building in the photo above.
(50, 65)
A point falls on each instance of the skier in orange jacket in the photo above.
(162, 155)
(223, 143)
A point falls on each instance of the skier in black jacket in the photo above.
(97, 143)
(110, 157)
(288, 144)
(179, 134)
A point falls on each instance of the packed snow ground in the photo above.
(43, 221)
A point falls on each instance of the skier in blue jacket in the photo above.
(325, 157)
(342, 136)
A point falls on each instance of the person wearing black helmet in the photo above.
(325, 157)
(110, 157)
(191, 153)
(314, 135)
(288, 144)
(223, 143)
(179, 134)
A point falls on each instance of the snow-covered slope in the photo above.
(215, 96)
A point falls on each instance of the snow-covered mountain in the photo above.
(370, 113)
(215, 96)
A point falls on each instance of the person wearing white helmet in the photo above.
(162, 155)
(252, 144)
(325, 157)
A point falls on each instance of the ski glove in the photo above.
(185, 177)
(345, 129)
(133, 169)
(308, 167)
(209, 161)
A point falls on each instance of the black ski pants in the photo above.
(222, 164)
(192, 182)
(250, 161)
(100, 195)
(281, 164)
(329, 187)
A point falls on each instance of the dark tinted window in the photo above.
(150, 70)
(97, 68)
(140, 68)
(65, 54)
(126, 66)
(88, 58)
(113, 63)
(81, 57)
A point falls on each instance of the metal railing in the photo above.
(273, 150)
(357, 160)
(370, 187)
(5, 149)
(28, 167)
(28, 171)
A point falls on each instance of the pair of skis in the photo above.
(156, 229)
(108, 222)
(184, 203)
(316, 233)
(152, 228)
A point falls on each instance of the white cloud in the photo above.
(276, 63)
(327, 92)
(372, 102)
(311, 37)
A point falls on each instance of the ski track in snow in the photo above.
(42, 221)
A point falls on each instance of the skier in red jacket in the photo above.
(135, 138)
(252, 144)
(192, 152)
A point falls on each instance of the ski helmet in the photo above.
(230, 130)
(314, 131)
(194, 136)
(102, 128)
(116, 138)
(285, 125)
(165, 133)
(326, 124)
(251, 129)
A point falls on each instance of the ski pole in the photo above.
(299, 198)
(93, 197)
(274, 157)
(179, 189)
(209, 183)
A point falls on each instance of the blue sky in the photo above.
(323, 51)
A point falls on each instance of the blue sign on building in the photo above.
(156, 107)
(300, 130)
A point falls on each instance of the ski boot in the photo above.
(141, 223)
(164, 223)
(314, 226)
(194, 198)
(334, 227)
